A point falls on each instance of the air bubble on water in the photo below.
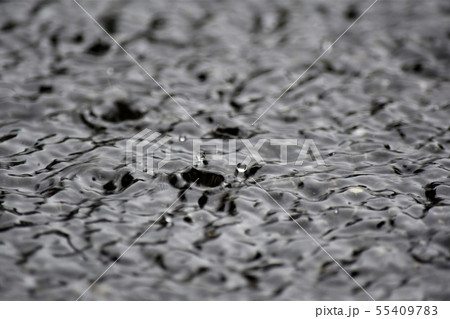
(241, 168)
(360, 131)
(182, 138)
(109, 71)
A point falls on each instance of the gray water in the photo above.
(377, 107)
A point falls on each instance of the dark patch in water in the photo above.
(203, 178)
(122, 111)
(99, 48)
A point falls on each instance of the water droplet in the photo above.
(182, 138)
(201, 158)
(241, 168)
(109, 71)
(336, 210)
(165, 221)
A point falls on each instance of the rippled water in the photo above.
(377, 107)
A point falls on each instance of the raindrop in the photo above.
(241, 168)
(182, 138)
(165, 221)
(201, 158)
(336, 211)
